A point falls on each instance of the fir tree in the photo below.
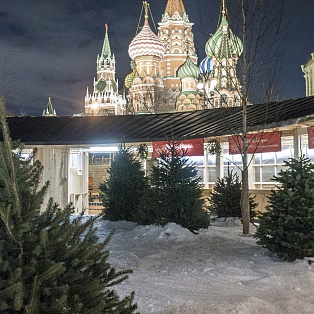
(49, 262)
(287, 226)
(122, 191)
(175, 193)
(225, 200)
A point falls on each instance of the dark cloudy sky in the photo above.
(49, 47)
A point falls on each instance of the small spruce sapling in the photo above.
(175, 193)
(122, 191)
(287, 226)
(225, 199)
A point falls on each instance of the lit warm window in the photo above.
(266, 165)
(309, 153)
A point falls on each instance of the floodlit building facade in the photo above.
(308, 70)
(176, 33)
(105, 99)
(153, 85)
(146, 89)
(163, 76)
(221, 86)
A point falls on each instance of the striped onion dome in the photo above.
(205, 66)
(146, 43)
(128, 81)
(223, 42)
(188, 69)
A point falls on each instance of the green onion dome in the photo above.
(223, 43)
(128, 81)
(188, 69)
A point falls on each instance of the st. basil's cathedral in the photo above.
(164, 74)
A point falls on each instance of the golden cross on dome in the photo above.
(146, 7)
(223, 8)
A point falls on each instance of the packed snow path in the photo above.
(217, 271)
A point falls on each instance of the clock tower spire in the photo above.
(105, 99)
(106, 51)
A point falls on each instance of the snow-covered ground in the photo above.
(217, 271)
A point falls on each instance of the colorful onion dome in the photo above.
(146, 43)
(205, 66)
(188, 69)
(128, 81)
(223, 42)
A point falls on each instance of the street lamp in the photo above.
(206, 88)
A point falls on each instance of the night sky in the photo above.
(49, 48)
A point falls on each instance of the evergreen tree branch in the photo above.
(7, 144)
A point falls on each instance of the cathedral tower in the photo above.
(218, 69)
(175, 32)
(105, 99)
(146, 81)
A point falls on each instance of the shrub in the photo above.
(49, 262)
(175, 193)
(287, 226)
(225, 200)
(122, 191)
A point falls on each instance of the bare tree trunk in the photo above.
(245, 177)
(261, 24)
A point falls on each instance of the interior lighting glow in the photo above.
(103, 149)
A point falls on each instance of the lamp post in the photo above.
(206, 88)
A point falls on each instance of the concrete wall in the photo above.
(78, 181)
(66, 185)
(54, 162)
